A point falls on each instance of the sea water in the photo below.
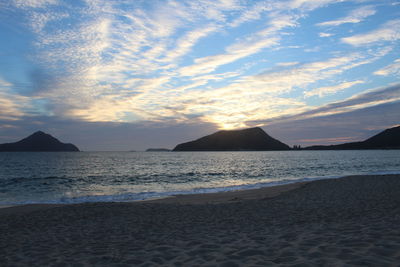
(68, 177)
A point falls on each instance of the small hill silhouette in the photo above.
(387, 139)
(38, 141)
(252, 139)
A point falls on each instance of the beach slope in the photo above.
(348, 221)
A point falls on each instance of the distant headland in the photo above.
(387, 139)
(252, 139)
(37, 142)
(255, 139)
(158, 150)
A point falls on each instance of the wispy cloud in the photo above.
(177, 61)
(185, 43)
(245, 99)
(302, 75)
(391, 69)
(308, 5)
(328, 90)
(12, 106)
(287, 64)
(366, 99)
(355, 16)
(251, 13)
(375, 97)
(257, 97)
(390, 31)
(251, 44)
(34, 3)
(325, 34)
(215, 10)
(237, 51)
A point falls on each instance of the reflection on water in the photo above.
(106, 176)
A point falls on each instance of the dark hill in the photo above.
(388, 139)
(39, 141)
(252, 139)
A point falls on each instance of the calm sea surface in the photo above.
(58, 177)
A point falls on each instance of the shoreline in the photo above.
(266, 191)
(243, 192)
(334, 222)
(222, 197)
(228, 196)
(181, 199)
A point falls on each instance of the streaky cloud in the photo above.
(391, 69)
(355, 16)
(388, 32)
(373, 97)
(322, 91)
(226, 63)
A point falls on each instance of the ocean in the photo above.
(67, 177)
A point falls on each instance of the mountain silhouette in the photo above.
(39, 141)
(252, 139)
(387, 139)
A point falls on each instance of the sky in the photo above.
(130, 75)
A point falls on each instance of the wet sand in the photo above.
(348, 221)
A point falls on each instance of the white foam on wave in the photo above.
(131, 197)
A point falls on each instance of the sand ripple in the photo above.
(350, 221)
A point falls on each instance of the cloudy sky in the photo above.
(124, 74)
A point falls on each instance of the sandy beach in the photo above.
(348, 221)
